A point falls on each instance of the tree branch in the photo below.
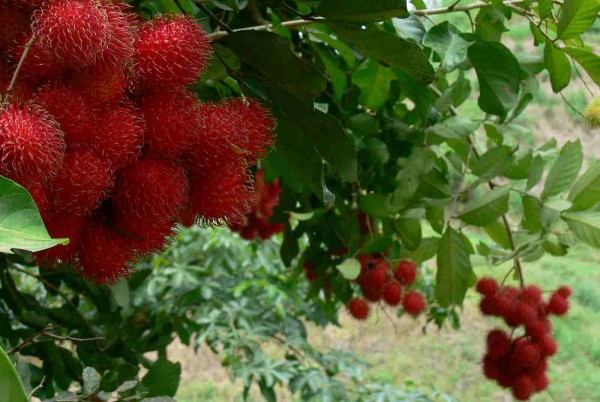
(15, 75)
(213, 17)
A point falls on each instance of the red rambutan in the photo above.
(61, 226)
(104, 256)
(101, 84)
(31, 144)
(487, 286)
(171, 51)
(526, 353)
(406, 272)
(15, 22)
(82, 183)
(522, 314)
(40, 63)
(531, 294)
(255, 126)
(359, 308)
(77, 31)
(392, 293)
(414, 303)
(548, 346)
(310, 271)
(539, 329)
(541, 382)
(565, 291)
(523, 388)
(498, 344)
(491, 368)
(153, 188)
(557, 305)
(144, 236)
(119, 47)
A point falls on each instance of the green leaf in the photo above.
(498, 73)
(544, 8)
(586, 190)
(91, 380)
(585, 225)
(362, 11)
(349, 268)
(588, 60)
(445, 40)
(576, 17)
(426, 250)
(409, 28)
(564, 170)
(491, 163)
(497, 232)
(377, 244)
(374, 82)
(558, 65)
(532, 210)
(377, 205)
(490, 24)
(275, 61)
(162, 378)
(11, 387)
(454, 270)
(486, 209)
(120, 292)
(21, 226)
(535, 172)
(409, 230)
(389, 50)
(455, 127)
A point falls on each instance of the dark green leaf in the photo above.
(455, 128)
(454, 271)
(564, 170)
(362, 11)
(377, 205)
(586, 190)
(409, 230)
(535, 173)
(162, 378)
(491, 163)
(588, 60)
(490, 24)
(377, 245)
(409, 28)
(445, 40)
(374, 82)
(558, 65)
(576, 17)
(545, 8)
(426, 250)
(498, 73)
(21, 226)
(487, 208)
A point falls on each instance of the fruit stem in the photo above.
(15, 75)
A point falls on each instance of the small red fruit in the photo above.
(526, 353)
(406, 272)
(359, 308)
(392, 293)
(558, 305)
(105, 256)
(531, 294)
(498, 344)
(487, 286)
(523, 388)
(565, 291)
(414, 303)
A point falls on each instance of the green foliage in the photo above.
(11, 387)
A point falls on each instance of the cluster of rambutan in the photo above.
(103, 132)
(520, 362)
(257, 222)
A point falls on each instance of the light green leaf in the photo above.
(544, 8)
(91, 380)
(302, 216)
(532, 210)
(557, 205)
(120, 291)
(576, 17)
(588, 60)
(535, 172)
(11, 387)
(454, 270)
(558, 65)
(586, 190)
(349, 268)
(455, 127)
(491, 163)
(585, 225)
(362, 11)
(21, 226)
(445, 40)
(374, 82)
(409, 28)
(486, 209)
(426, 250)
(409, 230)
(564, 170)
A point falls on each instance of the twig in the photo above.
(46, 332)
(213, 17)
(41, 384)
(15, 75)
(571, 106)
(582, 79)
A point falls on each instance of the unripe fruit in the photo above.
(592, 113)
(414, 303)
(171, 51)
(487, 286)
(392, 293)
(31, 144)
(359, 308)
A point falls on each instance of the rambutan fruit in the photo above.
(119, 135)
(539, 329)
(267, 231)
(82, 183)
(531, 294)
(105, 256)
(522, 314)
(102, 85)
(565, 291)
(491, 368)
(171, 51)
(61, 226)
(119, 47)
(372, 283)
(392, 293)
(498, 343)
(548, 346)
(77, 31)
(255, 126)
(359, 308)
(414, 303)
(40, 64)
(173, 118)
(523, 388)
(511, 292)
(144, 236)
(487, 286)
(487, 305)
(526, 353)
(23, 90)
(502, 305)
(41, 195)
(220, 193)
(153, 188)
(310, 271)
(72, 110)
(558, 305)
(31, 144)
(15, 22)
(406, 272)
(541, 382)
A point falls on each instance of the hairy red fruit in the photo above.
(540, 368)
(152, 188)
(216, 137)
(67, 226)
(487, 306)
(526, 353)
(40, 64)
(359, 308)
(491, 368)
(144, 236)
(77, 31)
(511, 292)
(531, 294)
(23, 90)
(392, 293)
(101, 84)
(414, 303)
(119, 135)
(72, 110)
(82, 183)
(255, 126)
(41, 195)
(498, 344)
(548, 346)
(310, 272)
(406, 272)
(541, 382)
(220, 193)
(104, 256)
(488, 286)
(14, 23)
(539, 329)
(31, 144)
(171, 51)
(502, 305)
(522, 314)
(558, 305)
(173, 119)
(523, 388)
(119, 48)
(565, 291)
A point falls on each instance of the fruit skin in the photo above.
(526, 353)
(531, 294)
(77, 31)
(558, 305)
(498, 344)
(359, 308)
(373, 282)
(406, 272)
(151, 188)
(414, 303)
(171, 51)
(565, 291)
(14, 23)
(392, 293)
(144, 236)
(255, 126)
(105, 256)
(523, 388)
(487, 286)
(82, 183)
(31, 144)
(67, 226)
